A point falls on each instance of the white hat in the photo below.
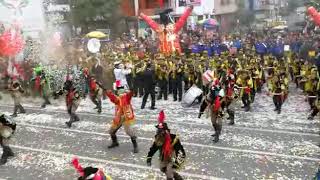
(117, 62)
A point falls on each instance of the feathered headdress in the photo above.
(89, 172)
(77, 166)
(166, 147)
(161, 119)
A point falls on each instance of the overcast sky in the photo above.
(32, 15)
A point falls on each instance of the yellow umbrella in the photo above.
(96, 34)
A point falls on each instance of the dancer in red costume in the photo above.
(124, 116)
(168, 32)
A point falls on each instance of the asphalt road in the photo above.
(262, 144)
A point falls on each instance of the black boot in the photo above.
(7, 152)
(73, 118)
(176, 176)
(69, 123)
(310, 117)
(231, 117)
(218, 132)
(15, 111)
(76, 118)
(135, 144)
(215, 131)
(14, 115)
(22, 110)
(114, 142)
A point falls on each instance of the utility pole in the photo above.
(136, 13)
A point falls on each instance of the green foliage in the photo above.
(86, 11)
(314, 3)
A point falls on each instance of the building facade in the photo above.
(58, 17)
(225, 12)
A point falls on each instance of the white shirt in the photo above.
(120, 74)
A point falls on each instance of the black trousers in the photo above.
(163, 85)
(129, 79)
(149, 90)
(46, 101)
(177, 89)
(137, 86)
(315, 111)
(246, 101)
(277, 100)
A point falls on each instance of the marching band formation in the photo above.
(217, 83)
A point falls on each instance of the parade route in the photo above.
(261, 145)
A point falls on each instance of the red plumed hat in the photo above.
(161, 123)
(161, 117)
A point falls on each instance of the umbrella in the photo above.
(96, 34)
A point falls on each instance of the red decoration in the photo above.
(11, 42)
(118, 83)
(314, 14)
(166, 148)
(168, 35)
(316, 19)
(161, 4)
(312, 11)
(217, 104)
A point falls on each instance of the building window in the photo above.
(182, 3)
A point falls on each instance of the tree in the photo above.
(314, 3)
(86, 12)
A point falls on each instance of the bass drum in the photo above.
(7, 127)
(190, 96)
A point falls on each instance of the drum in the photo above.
(7, 126)
(207, 77)
(191, 95)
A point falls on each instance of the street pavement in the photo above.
(261, 145)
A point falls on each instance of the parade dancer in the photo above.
(213, 100)
(172, 154)
(124, 116)
(7, 128)
(16, 93)
(72, 101)
(41, 85)
(89, 173)
(96, 92)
